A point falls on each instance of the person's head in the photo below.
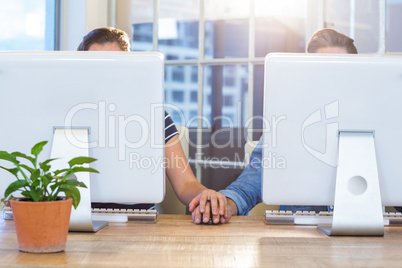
(331, 41)
(105, 39)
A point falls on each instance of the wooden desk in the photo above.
(176, 242)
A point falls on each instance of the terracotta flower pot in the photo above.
(42, 227)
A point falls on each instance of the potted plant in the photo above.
(42, 216)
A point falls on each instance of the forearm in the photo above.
(232, 207)
(179, 172)
(245, 191)
(189, 190)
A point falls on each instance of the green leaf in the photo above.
(72, 191)
(45, 179)
(54, 186)
(81, 184)
(44, 165)
(81, 160)
(35, 183)
(75, 183)
(84, 169)
(18, 154)
(27, 194)
(15, 186)
(50, 177)
(49, 160)
(34, 178)
(36, 194)
(72, 182)
(13, 171)
(74, 170)
(57, 172)
(9, 157)
(31, 170)
(6, 200)
(38, 148)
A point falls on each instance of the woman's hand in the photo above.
(209, 204)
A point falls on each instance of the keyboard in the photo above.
(313, 218)
(111, 215)
(124, 215)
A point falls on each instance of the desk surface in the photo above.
(174, 241)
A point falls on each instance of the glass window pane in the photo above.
(358, 19)
(258, 104)
(181, 94)
(224, 144)
(226, 28)
(178, 74)
(178, 28)
(226, 95)
(27, 25)
(394, 26)
(279, 26)
(225, 111)
(141, 19)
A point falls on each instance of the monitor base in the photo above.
(357, 207)
(70, 142)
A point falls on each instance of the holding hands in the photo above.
(210, 204)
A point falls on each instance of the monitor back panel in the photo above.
(118, 95)
(308, 98)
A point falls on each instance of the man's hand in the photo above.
(210, 204)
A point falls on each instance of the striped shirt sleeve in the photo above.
(170, 128)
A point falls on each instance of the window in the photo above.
(180, 97)
(229, 81)
(142, 33)
(222, 97)
(394, 20)
(226, 60)
(194, 96)
(27, 25)
(171, 57)
(361, 26)
(178, 28)
(194, 74)
(279, 27)
(193, 113)
(228, 100)
(178, 74)
(166, 75)
(177, 96)
(141, 24)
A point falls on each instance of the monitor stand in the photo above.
(67, 144)
(357, 206)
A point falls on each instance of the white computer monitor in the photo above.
(118, 96)
(311, 101)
